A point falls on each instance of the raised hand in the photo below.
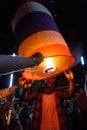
(69, 74)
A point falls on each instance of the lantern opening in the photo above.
(50, 67)
(49, 70)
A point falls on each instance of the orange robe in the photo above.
(49, 114)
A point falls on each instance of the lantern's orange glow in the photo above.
(50, 67)
(55, 50)
(37, 72)
(36, 31)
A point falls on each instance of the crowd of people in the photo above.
(48, 108)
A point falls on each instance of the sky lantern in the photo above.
(35, 30)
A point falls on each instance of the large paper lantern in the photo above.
(36, 31)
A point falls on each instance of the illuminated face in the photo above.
(50, 81)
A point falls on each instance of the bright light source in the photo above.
(50, 67)
(82, 60)
(11, 76)
(11, 80)
(14, 54)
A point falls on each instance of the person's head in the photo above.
(50, 80)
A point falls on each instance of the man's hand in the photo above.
(69, 74)
(26, 83)
(37, 58)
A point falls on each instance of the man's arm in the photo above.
(7, 91)
(69, 75)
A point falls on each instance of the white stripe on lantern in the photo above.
(27, 8)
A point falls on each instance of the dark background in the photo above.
(70, 17)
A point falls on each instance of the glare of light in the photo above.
(9, 116)
(11, 80)
(14, 54)
(82, 60)
(50, 67)
(11, 76)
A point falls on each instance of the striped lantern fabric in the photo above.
(35, 30)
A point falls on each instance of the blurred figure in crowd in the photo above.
(48, 113)
(81, 104)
